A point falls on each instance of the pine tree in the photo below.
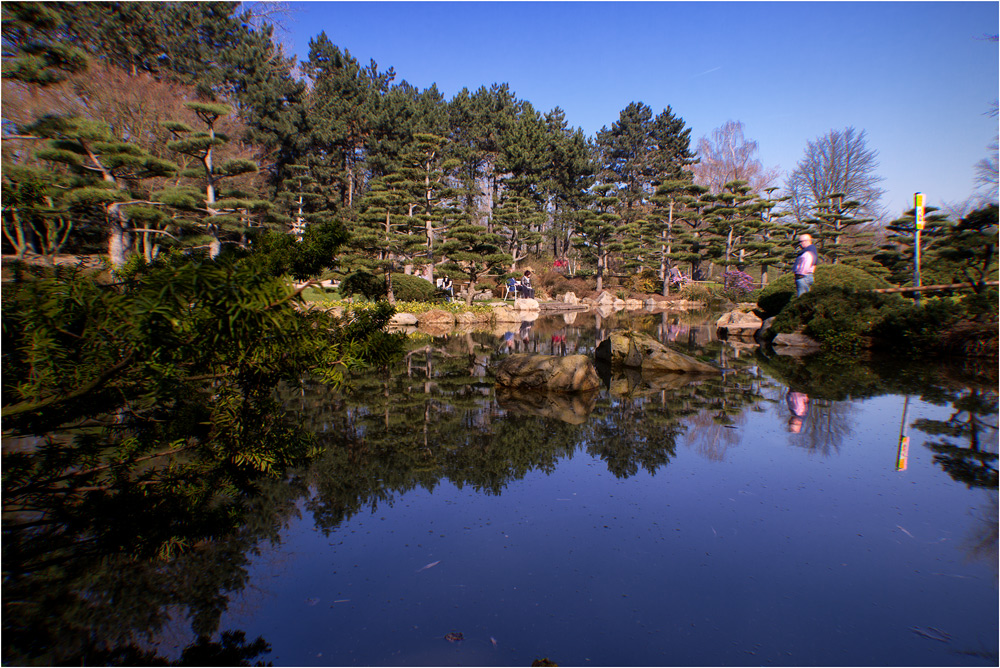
(37, 47)
(840, 231)
(228, 214)
(472, 251)
(568, 172)
(670, 200)
(342, 108)
(106, 169)
(426, 170)
(596, 229)
(386, 235)
(479, 121)
(518, 208)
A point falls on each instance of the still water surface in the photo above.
(764, 517)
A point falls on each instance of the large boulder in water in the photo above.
(739, 323)
(795, 344)
(573, 373)
(641, 351)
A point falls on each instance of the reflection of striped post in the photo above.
(903, 452)
(918, 217)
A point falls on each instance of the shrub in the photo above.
(776, 296)
(362, 283)
(645, 282)
(556, 283)
(701, 292)
(912, 327)
(409, 288)
(838, 317)
(981, 306)
(737, 285)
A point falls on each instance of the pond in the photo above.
(785, 512)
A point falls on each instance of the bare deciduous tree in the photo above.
(729, 156)
(988, 169)
(839, 162)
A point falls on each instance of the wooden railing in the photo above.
(933, 288)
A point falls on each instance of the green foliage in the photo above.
(281, 254)
(702, 292)
(917, 327)
(363, 283)
(775, 296)
(837, 316)
(413, 288)
(645, 282)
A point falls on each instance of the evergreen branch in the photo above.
(294, 294)
(104, 467)
(29, 406)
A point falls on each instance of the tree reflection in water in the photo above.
(70, 595)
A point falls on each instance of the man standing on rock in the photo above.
(805, 265)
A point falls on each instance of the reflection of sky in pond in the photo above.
(751, 545)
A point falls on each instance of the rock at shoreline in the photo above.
(436, 317)
(503, 313)
(739, 323)
(403, 319)
(641, 351)
(470, 318)
(796, 342)
(528, 371)
(605, 298)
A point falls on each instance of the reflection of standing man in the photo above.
(798, 406)
(525, 333)
(559, 342)
(805, 265)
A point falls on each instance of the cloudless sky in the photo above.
(919, 77)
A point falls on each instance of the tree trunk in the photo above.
(118, 239)
(600, 269)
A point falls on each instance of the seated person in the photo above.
(676, 277)
(525, 288)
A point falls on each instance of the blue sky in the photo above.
(918, 77)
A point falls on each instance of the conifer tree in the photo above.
(478, 122)
(733, 219)
(518, 206)
(36, 46)
(426, 170)
(639, 152)
(228, 214)
(840, 231)
(568, 172)
(105, 168)
(670, 201)
(385, 235)
(472, 252)
(596, 229)
(692, 228)
(896, 254)
(771, 243)
(341, 112)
